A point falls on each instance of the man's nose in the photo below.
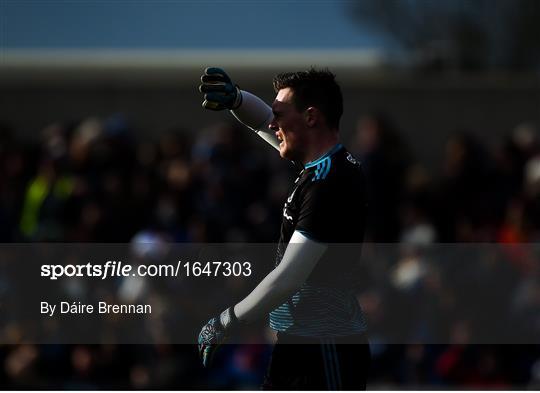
(273, 126)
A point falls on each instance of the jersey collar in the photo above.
(329, 153)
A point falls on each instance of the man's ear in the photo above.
(311, 115)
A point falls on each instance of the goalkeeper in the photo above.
(309, 296)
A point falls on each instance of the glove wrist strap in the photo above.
(238, 101)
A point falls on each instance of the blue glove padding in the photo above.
(215, 333)
(219, 91)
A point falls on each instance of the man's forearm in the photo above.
(255, 114)
(301, 256)
(268, 295)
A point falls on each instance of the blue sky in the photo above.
(176, 24)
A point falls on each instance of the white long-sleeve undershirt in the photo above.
(255, 114)
(299, 259)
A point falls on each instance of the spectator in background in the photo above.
(466, 208)
(178, 187)
(385, 160)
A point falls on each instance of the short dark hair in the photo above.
(317, 88)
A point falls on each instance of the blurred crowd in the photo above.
(94, 181)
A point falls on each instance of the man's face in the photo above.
(289, 126)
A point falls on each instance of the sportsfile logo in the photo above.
(109, 269)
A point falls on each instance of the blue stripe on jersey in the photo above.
(328, 154)
(327, 169)
(328, 369)
(331, 364)
(319, 312)
(322, 170)
(317, 171)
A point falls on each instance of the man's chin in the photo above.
(284, 153)
(287, 154)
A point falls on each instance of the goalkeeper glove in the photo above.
(219, 91)
(215, 333)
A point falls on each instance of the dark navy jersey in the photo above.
(327, 203)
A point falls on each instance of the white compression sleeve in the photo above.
(301, 256)
(255, 114)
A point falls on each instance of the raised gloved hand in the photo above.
(219, 91)
(215, 333)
